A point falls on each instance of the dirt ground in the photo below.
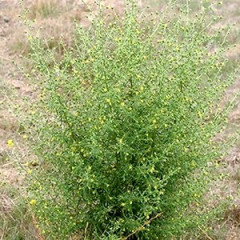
(15, 89)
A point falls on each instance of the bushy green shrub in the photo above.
(125, 125)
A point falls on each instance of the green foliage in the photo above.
(125, 126)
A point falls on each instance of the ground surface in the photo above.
(16, 221)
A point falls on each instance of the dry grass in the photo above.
(52, 20)
(15, 216)
(44, 9)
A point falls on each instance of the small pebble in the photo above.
(6, 20)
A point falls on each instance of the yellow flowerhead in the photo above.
(33, 202)
(10, 143)
(25, 137)
(108, 101)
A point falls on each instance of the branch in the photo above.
(142, 227)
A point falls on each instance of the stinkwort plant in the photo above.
(124, 127)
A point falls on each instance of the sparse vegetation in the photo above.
(43, 8)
